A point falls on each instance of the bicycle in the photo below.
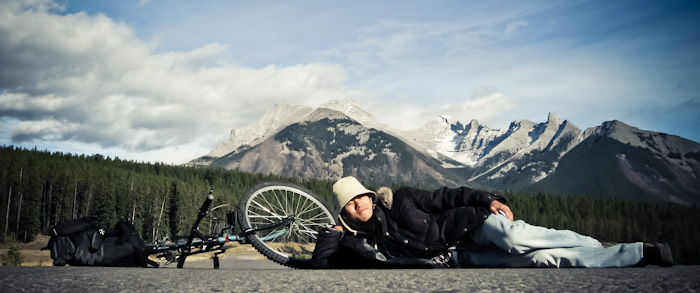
(280, 220)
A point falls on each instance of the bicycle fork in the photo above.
(187, 250)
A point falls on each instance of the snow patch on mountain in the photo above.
(352, 110)
(475, 143)
(442, 136)
(280, 115)
(527, 150)
(525, 153)
(673, 148)
(495, 154)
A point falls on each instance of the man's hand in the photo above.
(497, 206)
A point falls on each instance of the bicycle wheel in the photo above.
(269, 203)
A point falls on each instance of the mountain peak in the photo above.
(553, 119)
(442, 121)
(340, 104)
(446, 118)
(280, 115)
(325, 113)
(609, 128)
(352, 110)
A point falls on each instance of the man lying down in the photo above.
(456, 228)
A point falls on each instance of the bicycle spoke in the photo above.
(277, 199)
(303, 206)
(285, 195)
(320, 218)
(296, 207)
(307, 231)
(258, 216)
(270, 203)
(264, 201)
(266, 209)
(308, 211)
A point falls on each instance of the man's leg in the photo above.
(621, 255)
(539, 246)
(518, 237)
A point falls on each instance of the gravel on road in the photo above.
(247, 273)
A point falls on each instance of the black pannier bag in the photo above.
(84, 242)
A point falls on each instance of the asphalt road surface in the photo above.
(242, 273)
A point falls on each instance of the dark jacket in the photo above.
(417, 226)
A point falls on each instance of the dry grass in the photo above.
(32, 255)
(295, 249)
(237, 249)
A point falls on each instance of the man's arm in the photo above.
(326, 246)
(447, 198)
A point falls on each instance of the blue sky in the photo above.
(167, 80)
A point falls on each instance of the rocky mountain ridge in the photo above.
(527, 156)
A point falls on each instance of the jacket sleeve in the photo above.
(326, 246)
(447, 198)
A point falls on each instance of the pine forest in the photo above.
(39, 189)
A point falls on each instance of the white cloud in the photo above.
(88, 82)
(487, 107)
(514, 26)
(81, 78)
(608, 77)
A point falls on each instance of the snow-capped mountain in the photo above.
(340, 139)
(278, 117)
(474, 144)
(491, 153)
(327, 144)
(281, 115)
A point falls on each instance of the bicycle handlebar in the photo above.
(207, 202)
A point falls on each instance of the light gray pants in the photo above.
(502, 243)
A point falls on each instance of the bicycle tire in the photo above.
(267, 203)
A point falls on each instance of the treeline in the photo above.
(615, 221)
(39, 189)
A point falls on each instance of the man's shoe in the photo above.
(658, 254)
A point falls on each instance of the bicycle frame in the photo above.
(212, 243)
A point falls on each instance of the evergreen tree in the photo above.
(39, 189)
(12, 257)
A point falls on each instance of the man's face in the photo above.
(359, 209)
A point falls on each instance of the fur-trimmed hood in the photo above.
(385, 197)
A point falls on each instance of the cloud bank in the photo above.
(160, 82)
(88, 79)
